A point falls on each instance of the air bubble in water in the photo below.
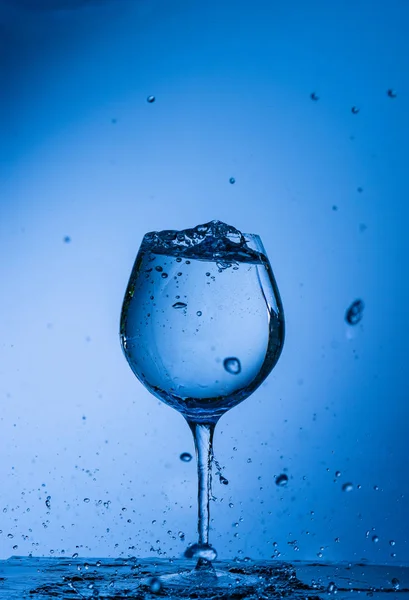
(347, 487)
(232, 180)
(396, 583)
(354, 110)
(204, 551)
(391, 93)
(232, 365)
(355, 312)
(150, 99)
(282, 480)
(185, 457)
(155, 585)
(314, 96)
(179, 305)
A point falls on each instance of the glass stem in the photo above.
(203, 436)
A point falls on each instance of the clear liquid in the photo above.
(199, 335)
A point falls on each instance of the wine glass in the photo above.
(202, 326)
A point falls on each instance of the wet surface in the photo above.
(47, 578)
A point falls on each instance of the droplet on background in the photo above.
(232, 365)
(232, 180)
(354, 110)
(391, 93)
(314, 96)
(150, 99)
(347, 487)
(185, 457)
(355, 312)
(155, 585)
(375, 539)
(282, 480)
(179, 305)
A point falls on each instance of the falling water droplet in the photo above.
(181, 535)
(150, 99)
(204, 551)
(155, 585)
(232, 180)
(48, 502)
(354, 110)
(232, 365)
(314, 96)
(67, 239)
(391, 93)
(392, 542)
(179, 305)
(164, 275)
(282, 480)
(86, 500)
(332, 588)
(185, 457)
(355, 312)
(375, 539)
(396, 583)
(347, 487)
(359, 190)
(199, 313)
(337, 473)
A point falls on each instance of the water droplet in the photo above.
(232, 180)
(231, 504)
(75, 555)
(185, 457)
(314, 96)
(359, 190)
(204, 551)
(10, 536)
(375, 539)
(332, 588)
(376, 488)
(391, 93)
(337, 473)
(48, 502)
(150, 99)
(396, 583)
(335, 207)
(155, 585)
(392, 542)
(181, 535)
(164, 275)
(355, 312)
(347, 487)
(179, 305)
(282, 480)
(232, 365)
(67, 239)
(354, 110)
(223, 479)
(199, 313)
(86, 500)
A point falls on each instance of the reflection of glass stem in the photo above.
(203, 436)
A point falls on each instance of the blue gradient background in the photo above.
(84, 155)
